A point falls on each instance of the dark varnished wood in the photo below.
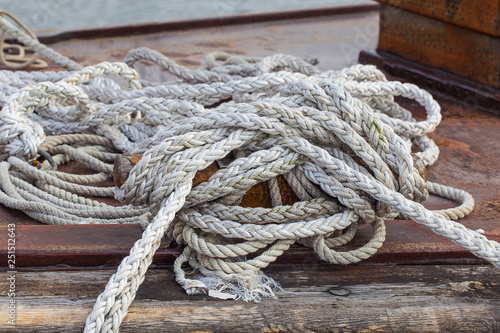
(450, 47)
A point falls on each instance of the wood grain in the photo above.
(380, 299)
(482, 16)
(436, 44)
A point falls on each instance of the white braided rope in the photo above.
(339, 139)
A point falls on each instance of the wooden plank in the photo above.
(94, 245)
(436, 44)
(482, 16)
(379, 299)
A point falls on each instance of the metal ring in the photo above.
(48, 158)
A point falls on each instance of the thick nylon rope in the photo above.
(339, 139)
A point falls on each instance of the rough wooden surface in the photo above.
(436, 44)
(482, 16)
(378, 299)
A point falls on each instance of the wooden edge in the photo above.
(469, 93)
(147, 28)
(95, 245)
(467, 14)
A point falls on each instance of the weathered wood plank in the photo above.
(482, 16)
(380, 299)
(436, 44)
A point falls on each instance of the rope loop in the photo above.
(14, 56)
(334, 149)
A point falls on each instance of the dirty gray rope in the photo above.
(339, 139)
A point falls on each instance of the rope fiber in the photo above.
(339, 139)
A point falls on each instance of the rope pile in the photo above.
(339, 139)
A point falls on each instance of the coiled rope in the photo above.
(338, 138)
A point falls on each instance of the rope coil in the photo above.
(339, 139)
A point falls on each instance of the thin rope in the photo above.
(339, 139)
(15, 56)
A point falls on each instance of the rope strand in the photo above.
(339, 139)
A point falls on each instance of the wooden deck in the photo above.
(418, 282)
